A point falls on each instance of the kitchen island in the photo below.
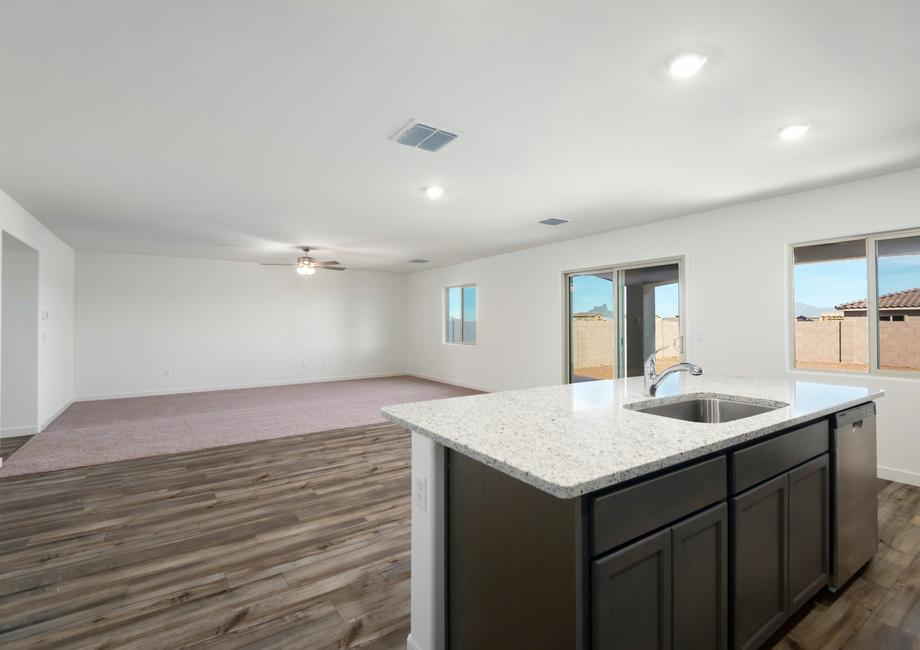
(566, 517)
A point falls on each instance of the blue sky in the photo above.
(469, 302)
(591, 291)
(826, 284)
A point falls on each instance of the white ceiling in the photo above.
(226, 129)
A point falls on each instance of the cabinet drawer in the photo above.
(763, 461)
(633, 511)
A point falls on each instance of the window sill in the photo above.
(455, 344)
(886, 375)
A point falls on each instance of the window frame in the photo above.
(445, 321)
(680, 260)
(872, 310)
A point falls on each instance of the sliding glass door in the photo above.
(619, 316)
(592, 327)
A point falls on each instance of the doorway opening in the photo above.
(618, 316)
(18, 338)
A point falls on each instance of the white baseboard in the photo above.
(441, 380)
(207, 389)
(410, 642)
(13, 432)
(899, 475)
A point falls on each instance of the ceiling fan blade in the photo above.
(276, 264)
(328, 264)
(332, 268)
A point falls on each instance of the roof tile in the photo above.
(907, 299)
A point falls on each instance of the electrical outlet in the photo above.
(166, 372)
(420, 492)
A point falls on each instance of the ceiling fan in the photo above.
(306, 265)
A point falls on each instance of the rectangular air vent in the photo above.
(418, 261)
(423, 136)
(553, 222)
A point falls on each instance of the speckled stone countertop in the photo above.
(574, 439)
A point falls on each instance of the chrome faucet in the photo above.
(652, 379)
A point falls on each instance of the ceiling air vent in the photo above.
(423, 136)
(418, 261)
(553, 221)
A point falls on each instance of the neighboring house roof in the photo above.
(907, 299)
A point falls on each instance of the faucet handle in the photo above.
(651, 365)
(651, 358)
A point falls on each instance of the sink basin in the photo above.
(708, 409)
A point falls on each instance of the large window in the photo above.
(617, 317)
(461, 314)
(857, 305)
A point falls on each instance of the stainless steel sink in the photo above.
(710, 410)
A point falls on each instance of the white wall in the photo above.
(56, 298)
(19, 334)
(736, 264)
(217, 324)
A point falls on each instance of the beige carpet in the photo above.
(93, 433)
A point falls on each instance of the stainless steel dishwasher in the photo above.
(854, 534)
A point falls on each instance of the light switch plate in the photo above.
(420, 492)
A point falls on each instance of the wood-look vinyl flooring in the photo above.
(297, 542)
(8, 446)
(880, 608)
(300, 542)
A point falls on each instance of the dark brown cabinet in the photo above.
(780, 532)
(666, 590)
(809, 529)
(632, 596)
(760, 523)
(711, 555)
(699, 550)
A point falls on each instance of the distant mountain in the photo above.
(602, 310)
(801, 309)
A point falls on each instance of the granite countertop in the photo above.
(578, 438)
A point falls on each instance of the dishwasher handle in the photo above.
(854, 417)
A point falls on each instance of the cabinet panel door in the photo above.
(699, 547)
(631, 603)
(760, 593)
(809, 551)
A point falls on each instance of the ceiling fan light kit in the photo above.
(307, 265)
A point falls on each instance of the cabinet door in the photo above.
(631, 589)
(700, 580)
(760, 593)
(809, 558)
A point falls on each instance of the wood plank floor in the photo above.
(8, 446)
(300, 542)
(880, 608)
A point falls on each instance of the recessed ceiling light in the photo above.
(793, 132)
(418, 261)
(686, 65)
(553, 221)
(434, 192)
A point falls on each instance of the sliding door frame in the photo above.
(615, 270)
